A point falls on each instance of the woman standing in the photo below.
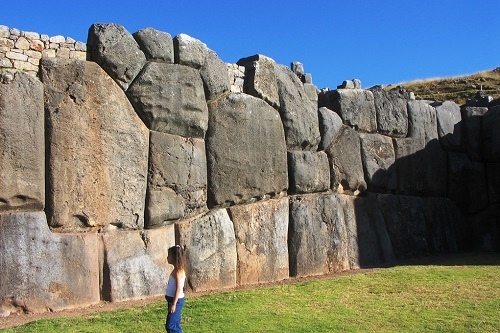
(174, 293)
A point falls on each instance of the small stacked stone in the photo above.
(22, 50)
(236, 77)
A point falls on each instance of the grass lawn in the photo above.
(461, 296)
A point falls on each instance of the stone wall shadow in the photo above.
(434, 209)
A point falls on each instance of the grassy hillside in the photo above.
(456, 89)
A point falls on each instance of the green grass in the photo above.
(416, 298)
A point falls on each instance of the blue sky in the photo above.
(378, 42)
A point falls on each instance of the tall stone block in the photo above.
(177, 178)
(98, 149)
(135, 263)
(22, 144)
(368, 241)
(261, 231)
(210, 248)
(377, 155)
(260, 78)
(298, 114)
(317, 237)
(246, 152)
(449, 121)
(405, 221)
(41, 271)
(472, 137)
(392, 112)
(491, 135)
(346, 167)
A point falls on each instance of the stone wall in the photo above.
(154, 141)
(22, 50)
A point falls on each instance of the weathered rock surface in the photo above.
(317, 236)
(214, 76)
(22, 144)
(116, 51)
(490, 144)
(98, 149)
(192, 52)
(298, 114)
(308, 171)
(377, 155)
(493, 181)
(189, 51)
(41, 271)
(177, 178)
(346, 167)
(405, 222)
(170, 98)
(449, 125)
(260, 78)
(472, 136)
(242, 131)
(356, 107)
(369, 242)
(422, 226)
(156, 45)
(420, 160)
(210, 248)
(392, 113)
(329, 126)
(467, 183)
(135, 263)
(261, 231)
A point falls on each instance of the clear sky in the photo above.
(378, 42)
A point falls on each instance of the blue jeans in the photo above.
(173, 322)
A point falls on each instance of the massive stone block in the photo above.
(405, 222)
(356, 107)
(170, 98)
(192, 52)
(22, 144)
(298, 114)
(177, 178)
(392, 113)
(242, 132)
(446, 227)
(449, 121)
(468, 185)
(135, 263)
(98, 149)
(493, 181)
(116, 51)
(210, 248)
(472, 136)
(214, 76)
(261, 231)
(260, 78)
(156, 45)
(346, 167)
(377, 155)
(308, 171)
(329, 126)
(420, 160)
(490, 144)
(317, 236)
(367, 236)
(41, 271)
